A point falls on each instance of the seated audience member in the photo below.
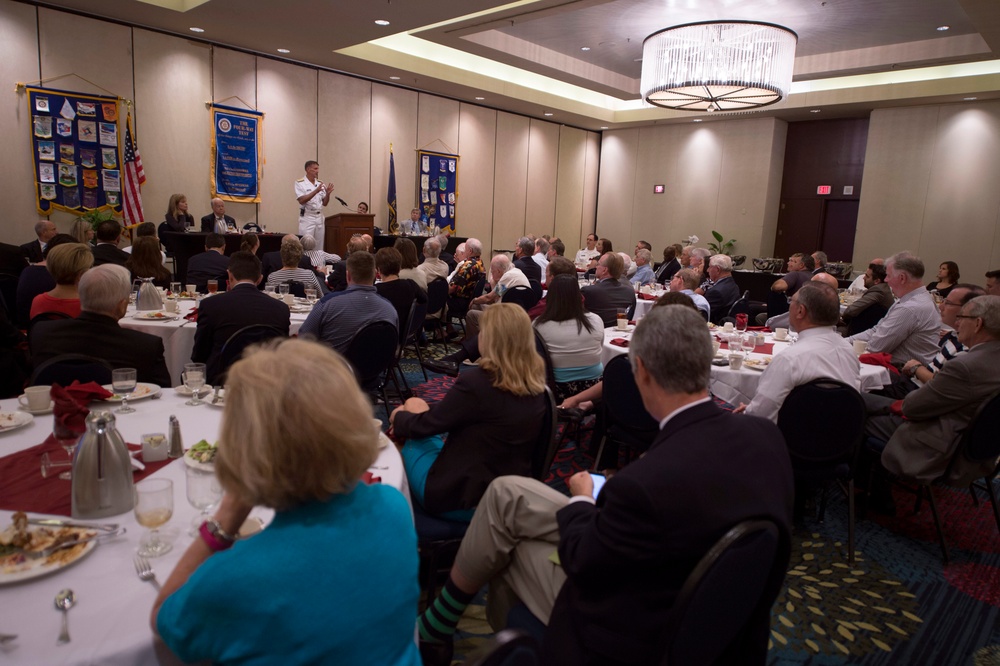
(876, 293)
(819, 260)
(217, 221)
(146, 230)
(106, 251)
(947, 277)
(558, 266)
(910, 330)
(467, 276)
(177, 217)
(858, 286)
(337, 279)
(523, 252)
(643, 272)
(32, 250)
(66, 263)
(492, 416)
(271, 261)
(556, 249)
(211, 264)
(317, 257)
(401, 293)
(36, 279)
(800, 270)
(250, 242)
(504, 276)
(604, 297)
(993, 283)
(242, 305)
(432, 266)
(626, 269)
(603, 247)
(460, 258)
(336, 320)
(291, 254)
(572, 336)
(923, 446)
(82, 231)
(540, 257)
(699, 262)
(819, 353)
(104, 294)
(146, 261)
(685, 281)
(624, 558)
(447, 257)
(781, 321)
(586, 254)
(409, 268)
(666, 270)
(218, 605)
(724, 291)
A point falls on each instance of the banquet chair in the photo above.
(522, 296)
(870, 316)
(723, 609)
(414, 323)
(624, 419)
(66, 368)
(568, 418)
(508, 647)
(823, 424)
(45, 316)
(437, 297)
(371, 353)
(233, 348)
(296, 288)
(8, 297)
(741, 306)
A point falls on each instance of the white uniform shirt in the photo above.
(584, 256)
(315, 205)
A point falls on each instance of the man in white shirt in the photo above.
(540, 257)
(432, 266)
(820, 352)
(587, 254)
(312, 194)
(503, 277)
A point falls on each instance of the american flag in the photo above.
(133, 176)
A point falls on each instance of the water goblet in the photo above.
(175, 289)
(741, 322)
(203, 493)
(194, 380)
(123, 381)
(269, 290)
(311, 295)
(748, 343)
(154, 506)
(48, 466)
(283, 290)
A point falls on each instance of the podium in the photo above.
(340, 228)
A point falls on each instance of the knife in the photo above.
(48, 551)
(54, 522)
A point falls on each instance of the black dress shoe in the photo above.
(436, 654)
(443, 367)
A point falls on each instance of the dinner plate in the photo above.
(141, 392)
(185, 391)
(14, 420)
(759, 365)
(156, 315)
(204, 467)
(14, 569)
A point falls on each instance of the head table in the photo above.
(110, 622)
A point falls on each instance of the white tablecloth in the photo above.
(178, 335)
(110, 622)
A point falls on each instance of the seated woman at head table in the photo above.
(333, 579)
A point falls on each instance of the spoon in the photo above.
(64, 601)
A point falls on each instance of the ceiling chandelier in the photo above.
(718, 66)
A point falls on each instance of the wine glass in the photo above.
(748, 342)
(123, 384)
(203, 493)
(194, 380)
(154, 506)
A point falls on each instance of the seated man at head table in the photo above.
(820, 353)
(217, 221)
(104, 292)
(622, 560)
(605, 296)
(242, 305)
(210, 264)
(106, 251)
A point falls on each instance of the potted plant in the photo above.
(720, 247)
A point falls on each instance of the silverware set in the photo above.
(145, 571)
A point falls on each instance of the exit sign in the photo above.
(823, 189)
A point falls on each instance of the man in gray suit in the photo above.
(605, 297)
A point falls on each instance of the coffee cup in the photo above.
(780, 333)
(289, 299)
(715, 347)
(622, 323)
(735, 361)
(36, 398)
(154, 447)
(170, 306)
(860, 347)
(191, 288)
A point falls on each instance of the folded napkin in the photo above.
(370, 478)
(881, 358)
(741, 320)
(764, 329)
(648, 297)
(620, 342)
(81, 393)
(193, 315)
(69, 414)
(896, 409)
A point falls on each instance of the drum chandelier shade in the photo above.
(718, 66)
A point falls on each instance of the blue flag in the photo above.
(391, 196)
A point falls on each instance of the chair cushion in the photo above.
(432, 528)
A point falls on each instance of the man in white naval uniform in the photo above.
(312, 195)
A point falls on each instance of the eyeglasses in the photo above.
(961, 316)
(954, 305)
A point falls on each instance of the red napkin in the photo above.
(370, 478)
(82, 394)
(741, 320)
(193, 315)
(647, 297)
(896, 408)
(881, 358)
(620, 342)
(765, 329)
(69, 414)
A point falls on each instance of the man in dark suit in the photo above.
(623, 558)
(32, 250)
(104, 294)
(724, 290)
(337, 280)
(665, 271)
(106, 251)
(522, 259)
(609, 294)
(271, 261)
(211, 264)
(217, 221)
(243, 305)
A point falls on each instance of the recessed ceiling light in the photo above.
(970, 99)
(604, 127)
(283, 51)
(698, 120)
(943, 28)
(548, 113)
(584, 48)
(394, 78)
(480, 99)
(814, 110)
(196, 29)
(381, 22)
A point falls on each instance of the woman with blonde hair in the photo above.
(333, 579)
(492, 416)
(82, 231)
(147, 262)
(178, 218)
(66, 263)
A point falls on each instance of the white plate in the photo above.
(759, 366)
(43, 566)
(141, 392)
(156, 315)
(204, 467)
(38, 412)
(186, 392)
(14, 420)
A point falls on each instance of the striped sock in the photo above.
(439, 621)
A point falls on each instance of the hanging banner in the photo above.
(236, 164)
(437, 182)
(67, 131)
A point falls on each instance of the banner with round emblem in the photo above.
(236, 164)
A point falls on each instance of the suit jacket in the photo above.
(101, 336)
(937, 414)
(721, 297)
(605, 297)
(108, 253)
(208, 223)
(666, 270)
(271, 261)
(208, 265)
(627, 557)
(530, 268)
(337, 280)
(221, 316)
(32, 251)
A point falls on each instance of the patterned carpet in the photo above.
(898, 603)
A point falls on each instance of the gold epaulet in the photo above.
(299, 180)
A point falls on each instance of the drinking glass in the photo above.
(194, 380)
(175, 289)
(741, 322)
(311, 295)
(123, 383)
(283, 290)
(269, 290)
(154, 506)
(203, 493)
(48, 466)
(748, 342)
(213, 286)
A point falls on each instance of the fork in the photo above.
(145, 571)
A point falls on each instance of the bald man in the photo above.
(781, 321)
(217, 221)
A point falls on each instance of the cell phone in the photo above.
(720, 362)
(599, 481)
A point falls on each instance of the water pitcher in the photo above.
(102, 470)
(149, 297)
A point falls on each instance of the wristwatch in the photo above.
(215, 537)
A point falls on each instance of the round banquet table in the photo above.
(110, 622)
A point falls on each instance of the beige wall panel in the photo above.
(234, 74)
(588, 218)
(616, 196)
(695, 200)
(510, 180)
(287, 94)
(437, 123)
(770, 221)
(345, 124)
(477, 145)
(570, 181)
(18, 62)
(394, 120)
(543, 164)
(898, 163)
(173, 81)
(653, 215)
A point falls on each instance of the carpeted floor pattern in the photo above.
(897, 604)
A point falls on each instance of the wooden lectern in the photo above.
(340, 228)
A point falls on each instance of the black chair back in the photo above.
(823, 422)
(66, 368)
(479, 288)
(371, 352)
(543, 351)
(522, 296)
(508, 647)
(536, 288)
(981, 440)
(867, 319)
(8, 297)
(437, 294)
(724, 606)
(777, 303)
(414, 323)
(45, 316)
(237, 343)
(624, 402)
(741, 306)
(545, 448)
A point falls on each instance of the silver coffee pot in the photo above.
(149, 296)
(102, 470)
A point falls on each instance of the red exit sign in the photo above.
(823, 189)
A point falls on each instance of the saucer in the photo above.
(38, 412)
